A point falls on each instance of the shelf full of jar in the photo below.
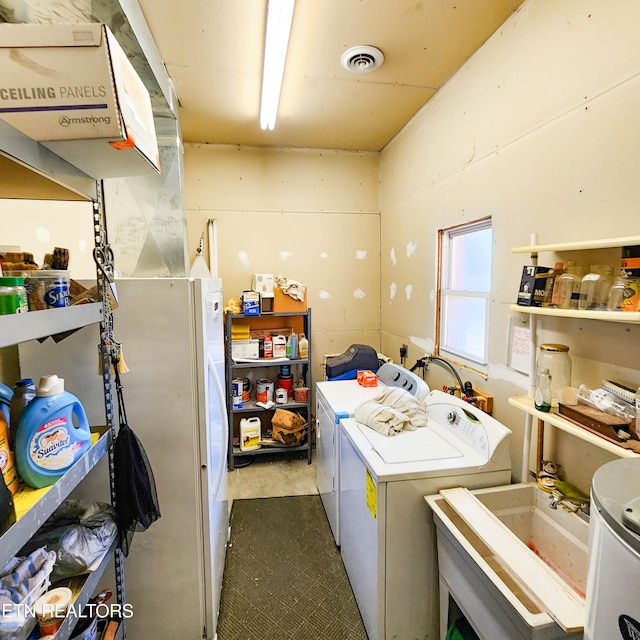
(624, 317)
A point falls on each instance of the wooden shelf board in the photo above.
(525, 403)
(580, 245)
(622, 317)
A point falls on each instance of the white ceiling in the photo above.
(212, 50)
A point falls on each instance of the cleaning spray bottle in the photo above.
(53, 433)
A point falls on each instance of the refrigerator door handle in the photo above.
(225, 424)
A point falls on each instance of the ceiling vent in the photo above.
(362, 59)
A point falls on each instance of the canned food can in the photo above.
(56, 293)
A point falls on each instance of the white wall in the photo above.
(539, 130)
(310, 215)
(39, 226)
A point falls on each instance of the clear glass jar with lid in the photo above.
(623, 295)
(556, 359)
(595, 286)
(566, 289)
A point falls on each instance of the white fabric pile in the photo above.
(392, 411)
(292, 288)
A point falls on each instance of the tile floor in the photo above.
(273, 476)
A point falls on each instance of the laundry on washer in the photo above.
(392, 411)
(382, 418)
(412, 407)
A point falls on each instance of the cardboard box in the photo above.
(266, 304)
(366, 378)
(630, 262)
(72, 88)
(263, 284)
(286, 304)
(532, 286)
(245, 349)
(250, 303)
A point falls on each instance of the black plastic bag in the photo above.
(80, 532)
(136, 499)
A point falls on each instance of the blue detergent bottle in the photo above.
(6, 393)
(53, 433)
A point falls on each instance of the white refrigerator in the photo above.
(171, 330)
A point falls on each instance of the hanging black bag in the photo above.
(136, 505)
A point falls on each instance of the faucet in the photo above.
(581, 509)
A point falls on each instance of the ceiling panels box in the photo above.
(72, 88)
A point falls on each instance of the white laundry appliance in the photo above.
(338, 399)
(173, 340)
(613, 608)
(387, 534)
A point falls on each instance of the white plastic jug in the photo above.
(249, 434)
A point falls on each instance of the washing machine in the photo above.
(613, 577)
(338, 399)
(387, 533)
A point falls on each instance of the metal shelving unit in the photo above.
(16, 329)
(40, 324)
(30, 519)
(301, 323)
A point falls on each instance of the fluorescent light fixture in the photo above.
(279, 17)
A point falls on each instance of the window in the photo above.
(464, 288)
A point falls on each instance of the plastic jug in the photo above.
(249, 434)
(53, 433)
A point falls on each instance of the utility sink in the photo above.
(505, 590)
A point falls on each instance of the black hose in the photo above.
(443, 362)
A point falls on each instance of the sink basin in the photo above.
(499, 601)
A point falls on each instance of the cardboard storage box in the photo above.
(532, 286)
(245, 349)
(72, 88)
(283, 303)
(250, 303)
(263, 284)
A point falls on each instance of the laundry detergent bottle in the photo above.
(53, 433)
(6, 393)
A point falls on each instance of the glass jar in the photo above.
(620, 294)
(595, 286)
(555, 358)
(566, 290)
(13, 296)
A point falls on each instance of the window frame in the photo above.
(443, 276)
